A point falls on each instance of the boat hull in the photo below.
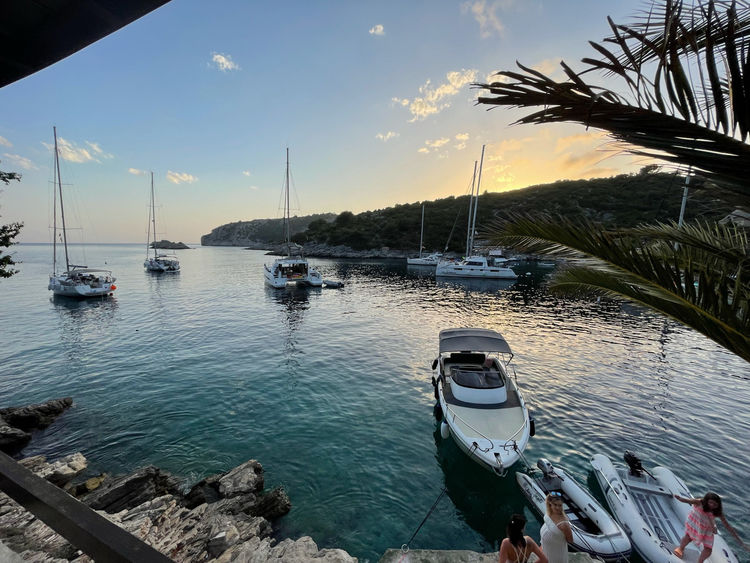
(161, 265)
(635, 499)
(473, 268)
(65, 286)
(594, 531)
(291, 271)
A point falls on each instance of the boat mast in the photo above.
(286, 210)
(62, 209)
(421, 233)
(153, 213)
(471, 203)
(476, 201)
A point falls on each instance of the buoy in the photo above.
(113, 287)
(444, 431)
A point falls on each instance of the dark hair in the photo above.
(704, 503)
(515, 531)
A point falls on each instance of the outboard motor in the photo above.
(546, 467)
(634, 463)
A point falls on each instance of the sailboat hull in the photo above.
(82, 285)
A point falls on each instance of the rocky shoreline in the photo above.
(224, 517)
(323, 250)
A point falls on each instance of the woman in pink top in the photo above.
(701, 524)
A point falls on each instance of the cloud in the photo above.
(591, 138)
(386, 136)
(486, 16)
(548, 67)
(224, 62)
(377, 30)
(246, 173)
(137, 172)
(5, 142)
(575, 164)
(180, 177)
(432, 100)
(461, 138)
(254, 188)
(20, 161)
(423, 150)
(437, 143)
(73, 153)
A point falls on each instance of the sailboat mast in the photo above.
(421, 233)
(471, 204)
(287, 217)
(62, 209)
(476, 201)
(153, 212)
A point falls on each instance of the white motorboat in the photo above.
(643, 503)
(474, 266)
(428, 260)
(480, 404)
(291, 269)
(76, 280)
(157, 262)
(594, 531)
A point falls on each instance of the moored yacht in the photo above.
(480, 403)
(158, 262)
(290, 269)
(75, 280)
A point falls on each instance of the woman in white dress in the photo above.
(556, 532)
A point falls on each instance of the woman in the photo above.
(556, 532)
(517, 548)
(700, 526)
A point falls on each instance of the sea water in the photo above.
(199, 371)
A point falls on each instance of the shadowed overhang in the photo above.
(37, 33)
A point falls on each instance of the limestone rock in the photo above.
(35, 416)
(128, 491)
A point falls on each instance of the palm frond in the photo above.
(687, 281)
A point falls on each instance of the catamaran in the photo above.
(75, 280)
(157, 262)
(473, 266)
(291, 269)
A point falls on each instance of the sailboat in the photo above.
(430, 259)
(157, 262)
(75, 280)
(291, 269)
(473, 266)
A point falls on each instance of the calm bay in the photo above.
(330, 389)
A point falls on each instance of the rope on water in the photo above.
(405, 547)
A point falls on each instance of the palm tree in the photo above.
(683, 68)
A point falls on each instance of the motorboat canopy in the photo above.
(472, 339)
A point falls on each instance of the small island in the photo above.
(169, 245)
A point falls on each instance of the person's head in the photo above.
(711, 502)
(515, 530)
(554, 503)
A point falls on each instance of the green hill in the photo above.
(624, 200)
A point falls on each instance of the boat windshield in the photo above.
(476, 377)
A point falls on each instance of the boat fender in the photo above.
(444, 430)
(546, 467)
(434, 363)
(438, 412)
(532, 427)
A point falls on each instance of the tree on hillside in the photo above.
(686, 100)
(9, 232)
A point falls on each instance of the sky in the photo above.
(373, 100)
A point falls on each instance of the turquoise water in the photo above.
(330, 390)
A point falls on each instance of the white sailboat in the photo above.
(157, 262)
(473, 266)
(75, 280)
(428, 260)
(291, 269)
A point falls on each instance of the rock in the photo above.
(243, 479)
(12, 439)
(60, 472)
(35, 416)
(272, 505)
(169, 245)
(129, 491)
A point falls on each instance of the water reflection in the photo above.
(82, 322)
(471, 284)
(484, 501)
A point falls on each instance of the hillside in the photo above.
(624, 200)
